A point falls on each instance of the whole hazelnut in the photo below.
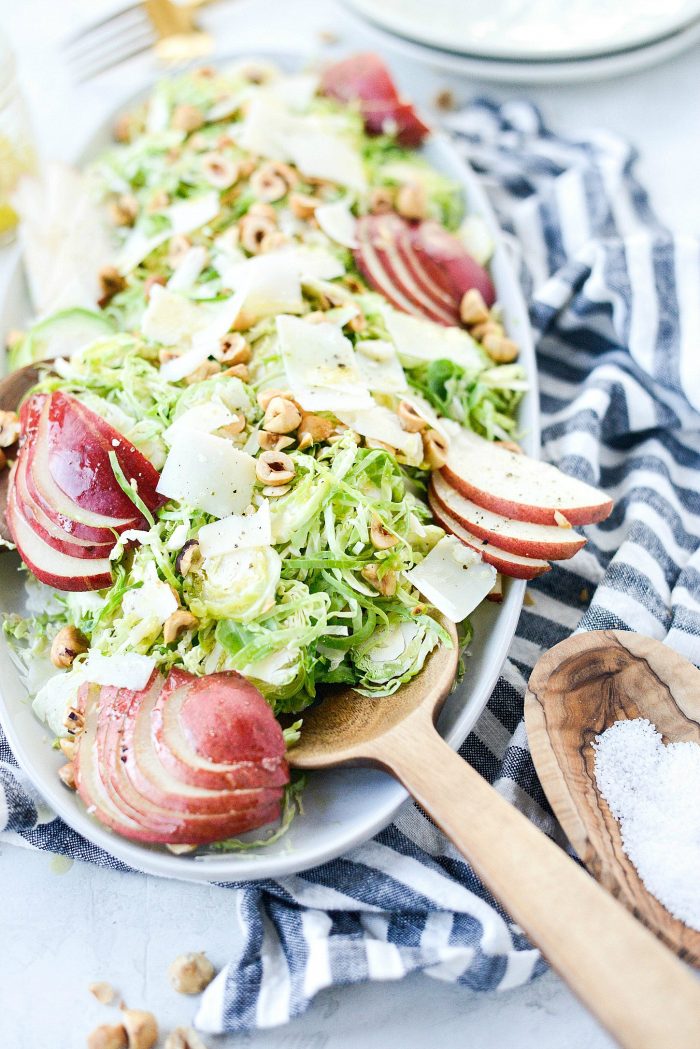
(191, 973)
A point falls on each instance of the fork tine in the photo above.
(105, 35)
(95, 26)
(112, 56)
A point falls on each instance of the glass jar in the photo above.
(17, 155)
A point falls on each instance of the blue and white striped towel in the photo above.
(616, 310)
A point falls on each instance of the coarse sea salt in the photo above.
(653, 791)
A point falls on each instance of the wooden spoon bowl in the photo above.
(577, 690)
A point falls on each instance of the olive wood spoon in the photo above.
(13, 387)
(577, 690)
(637, 989)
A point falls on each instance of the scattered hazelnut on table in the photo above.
(66, 645)
(141, 1028)
(108, 1036)
(104, 992)
(191, 973)
(184, 1038)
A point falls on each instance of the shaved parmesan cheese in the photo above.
(152, 603)
(427, 412)
(184, 217)
(453, 578)
(127, 670)
(337, 222)
(380, 366)
(295, 92)
(56, 696)
(208, 473)
(316, 264)
(188, 269)
(204, 418)
(320, 365)
(178, 538)
(238, 532)
(418, 340)
(269, 284)
(200, 327)
(381, 424)
(310, 143)
(169, 318)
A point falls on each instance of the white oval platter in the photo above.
(343, 807)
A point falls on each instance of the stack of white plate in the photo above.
(536, 41)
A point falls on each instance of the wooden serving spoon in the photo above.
(637, 989)
(577, 690)
(12, 389)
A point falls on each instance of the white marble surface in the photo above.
(61, 931)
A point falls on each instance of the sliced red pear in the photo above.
(121, 779)
(45, 528)
(514, 565)
(449, 264)
(51, 566)
(413, 263)
(363, 76)
(518, 537)
(75, 520)
(520, 487)
(382, 234)
(177, 753)
(397, 118)
(79, 443)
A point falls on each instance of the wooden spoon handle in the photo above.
(637, 989)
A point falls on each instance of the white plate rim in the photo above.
(428, 35)
(280, 861)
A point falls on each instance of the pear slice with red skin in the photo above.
(395, 117)
(42, 524)
(449, 264)
(519, 487)
(51, 566)
(506, 563)
(121, 779)
(79, 443)
(421, 276)
(549, 542)
(178, 755)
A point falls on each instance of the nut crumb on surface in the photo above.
(141, 1028)
(191, 973)
(445, 100)
(184, 1038)
(108, 1036)
(104, 992)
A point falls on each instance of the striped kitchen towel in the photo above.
(616, 312)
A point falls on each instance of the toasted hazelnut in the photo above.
(68, 747)
(184, 1038)
(141, 1028)
(123, 211)
(108, 1036)
(274, 442)
(177, 623)
(265, 396)
(122, 128)
(435, 449)
(168, 353)
(273, 240)
(204, 371)
(187, 118)
(315, 427)
(233, 349)
(315, 317)
(220, 172)
(381, 200)
(254, 229)
(187, 557)
(358, 323)
(178, 246)
(500, 349)
(111, 283)
(386, 585)
(473, 309)
(303, 205)
(191, 973)
(181, 850)
(281, 416)
(150, 283)
(380, 536)
(66, 645)
(234, 428)
(9, 428)
(267, 184)
(74, 722)
(274, 468)
(489, 327)
(412, 201)
(444, 100)
(263, 211)
(372, 442)
(66, 774)
(410, 419)
(238, 371)
(104, 992)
